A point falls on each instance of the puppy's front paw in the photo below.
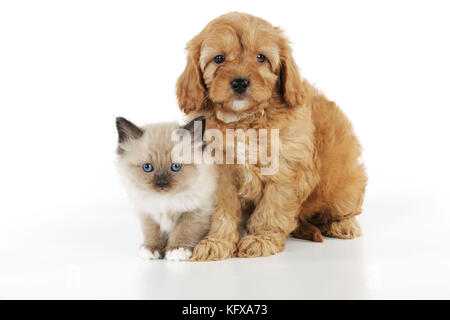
(178, 254)
(253, 246)
(214, 249)
(148, 253)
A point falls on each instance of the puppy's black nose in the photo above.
(240, 85)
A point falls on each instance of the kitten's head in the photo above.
(145, 155)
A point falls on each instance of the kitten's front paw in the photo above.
(178, 254)
(149, 254)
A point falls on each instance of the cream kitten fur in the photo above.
(174, 200)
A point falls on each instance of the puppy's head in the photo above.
(237, 64)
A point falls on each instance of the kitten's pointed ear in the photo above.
(196, 127)
(127, 130)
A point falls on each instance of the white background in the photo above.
(68, 68)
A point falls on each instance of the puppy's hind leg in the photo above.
(348, 228)
(338, 219)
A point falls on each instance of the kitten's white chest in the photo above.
(166, 222)
(164, 209)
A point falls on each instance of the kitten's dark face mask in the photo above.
(163, 178)
(150, 162)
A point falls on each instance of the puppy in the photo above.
(174, 199)
(240, 74)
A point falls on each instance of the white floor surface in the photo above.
(91, 252)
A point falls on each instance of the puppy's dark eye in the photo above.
(261, 58)
(147, 167)
(175, 167)
(219, 59)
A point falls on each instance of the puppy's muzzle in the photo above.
(240, 85)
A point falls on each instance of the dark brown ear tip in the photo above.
(200, 118)
(120, 121)
(126, 129)
(191, 123)
(203, 120)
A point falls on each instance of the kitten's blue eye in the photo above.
(175, 167)
(147, 167)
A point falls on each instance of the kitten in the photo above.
(174, 200)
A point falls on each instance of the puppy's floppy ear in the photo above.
(191, 91)
(291, 86)
(127, 131)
